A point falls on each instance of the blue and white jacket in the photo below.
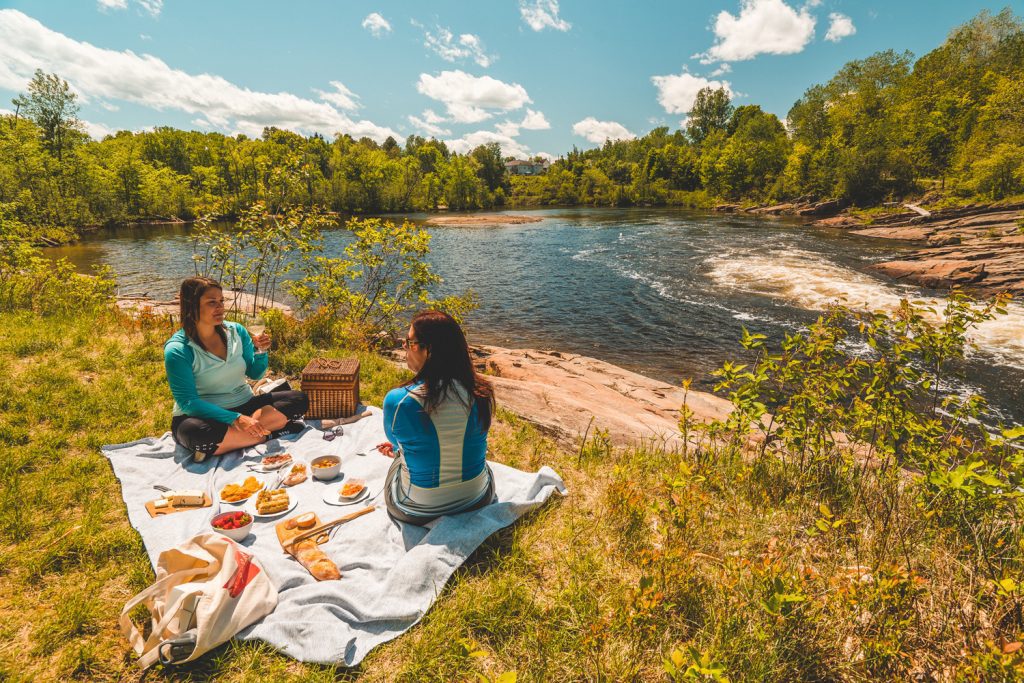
(442, 466)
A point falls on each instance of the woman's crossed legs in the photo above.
(272, 411)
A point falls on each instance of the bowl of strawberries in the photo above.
(235, 524)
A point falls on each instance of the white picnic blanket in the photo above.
(391, 572)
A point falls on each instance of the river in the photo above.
(663, 292)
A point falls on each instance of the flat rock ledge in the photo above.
(803, 206)
(482, 219)
(233, 301)
(566, 394)
(980, 247)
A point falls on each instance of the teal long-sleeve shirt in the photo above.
(206, 386)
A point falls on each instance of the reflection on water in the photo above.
(663, 292)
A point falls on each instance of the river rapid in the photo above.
(663, 292)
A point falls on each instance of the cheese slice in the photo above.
(161, 503)
(186, 497)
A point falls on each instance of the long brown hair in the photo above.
(448, 362)
(190, 294)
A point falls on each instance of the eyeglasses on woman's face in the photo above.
(407, 342)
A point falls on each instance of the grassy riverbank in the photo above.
(770, 569)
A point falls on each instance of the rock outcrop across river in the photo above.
(981, 247)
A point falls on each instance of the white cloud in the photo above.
(541, 14)
(376, 24)
(762, 27)
(25, 45)
(599, 131)
(154, 7)
(145, 36)
(534, 120)
(545, 155)
(510, 147)
(676, 93)
(467, 98)
(443, 42)
(723, 68)
(341, 97)
(97, 131)
(430, 116)
(508, 128)
(841, 27)
(428, 124)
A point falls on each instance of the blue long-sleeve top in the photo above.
(204, 385)
(440, 449)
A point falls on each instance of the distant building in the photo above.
(518, 167)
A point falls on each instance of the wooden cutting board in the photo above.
(284, 535)
(170, 509)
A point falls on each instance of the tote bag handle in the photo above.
(128, 628)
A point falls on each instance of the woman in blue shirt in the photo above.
(207, 362)
(437, 426)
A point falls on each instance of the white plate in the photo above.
(260, 468)
(331, 496)
(250, 507)
(241, 500)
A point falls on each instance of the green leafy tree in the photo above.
(463, 188)
(711, 111)
(491, 169)
(53, 106)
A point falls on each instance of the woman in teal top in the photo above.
(207, 362)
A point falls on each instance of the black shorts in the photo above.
(204, 434)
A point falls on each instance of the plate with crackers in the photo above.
(271, 504)
(236, 493)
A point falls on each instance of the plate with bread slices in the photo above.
(296, 476)
(271, 503)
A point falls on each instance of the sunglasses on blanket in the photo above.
(333, 433)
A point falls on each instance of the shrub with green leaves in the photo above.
(382, 277)
(259, 251)
(28, 280)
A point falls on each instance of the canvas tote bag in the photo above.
(235, 592)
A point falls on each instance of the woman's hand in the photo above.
(386, 449)
(250, 426)
(262, 343)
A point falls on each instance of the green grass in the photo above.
(650, 554)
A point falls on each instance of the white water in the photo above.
(807, 280)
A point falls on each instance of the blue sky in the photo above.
(537, 76)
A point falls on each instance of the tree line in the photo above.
(882, 128)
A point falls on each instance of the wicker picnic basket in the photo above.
(332, 387)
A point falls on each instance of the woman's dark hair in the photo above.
(191, 293)
(448, 362)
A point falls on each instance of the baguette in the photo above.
(316, 561)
